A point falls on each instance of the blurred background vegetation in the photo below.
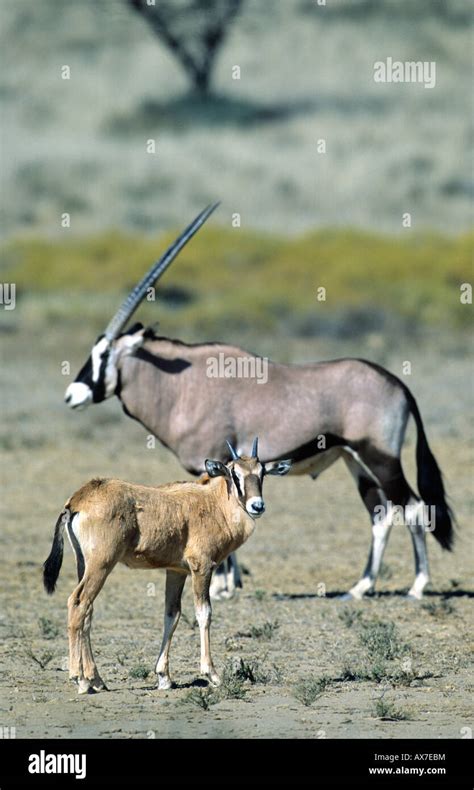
(308, 220)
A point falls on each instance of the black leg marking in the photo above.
(81, 565)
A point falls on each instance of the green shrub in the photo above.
(381, 640)
(307, 690)
(252, 280)
(139, 672)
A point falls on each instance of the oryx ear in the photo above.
(216, 468)
(130, 342)
(278, 467)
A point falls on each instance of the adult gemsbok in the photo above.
(314, 414)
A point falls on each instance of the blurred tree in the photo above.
(194, 30)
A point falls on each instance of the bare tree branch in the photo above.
(194, 32)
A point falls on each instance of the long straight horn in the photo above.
(254, 453)
(233, 453)
(130, 304)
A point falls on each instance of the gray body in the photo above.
(312, 414)
(192, 414)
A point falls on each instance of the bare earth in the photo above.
(313, 540)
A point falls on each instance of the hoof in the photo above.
(99, 685)
(85, 687)
(212, 678)
(411, 596)
(221, 593)
(359, 591)
(346, 597)
(164, 683)
(224, 595)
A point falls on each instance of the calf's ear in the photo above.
(278, 467)
(216, 468)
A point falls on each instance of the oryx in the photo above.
(187, 528)
(314, 414)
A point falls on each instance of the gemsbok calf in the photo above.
(186, 528)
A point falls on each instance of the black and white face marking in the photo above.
(79, 394)
(104, 371)
(246, 476)
(248, 486)
(94, 381)
(252, 480)
(97, 380)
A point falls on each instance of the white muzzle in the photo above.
(78, 395)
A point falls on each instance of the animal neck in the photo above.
(240, 524)
(167, 387)
(149, 385)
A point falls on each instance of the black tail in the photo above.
(430, 482)
(52, 566)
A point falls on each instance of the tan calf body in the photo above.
(178, 526)
(186, 528)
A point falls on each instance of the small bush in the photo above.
(401, 678)
(265, 631)
(245, 670)
(350, 674)
(350, 616)
(232, 685)
(139, 672)
(307, 690)
(253, 672)
(48, 629)
(441, 609)
(381, 640)
(381, 671)
(201, 698)
(388, 712)
(376, 672)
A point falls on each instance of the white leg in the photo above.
(225, 580)
(218, 587)
(416, 526)
(381, 526)
(174, 590)
(202, 605)
(380, 534)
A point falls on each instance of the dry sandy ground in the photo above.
(314, 537)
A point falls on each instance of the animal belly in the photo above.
(145, 561)
(140, 561)
(317, 463)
